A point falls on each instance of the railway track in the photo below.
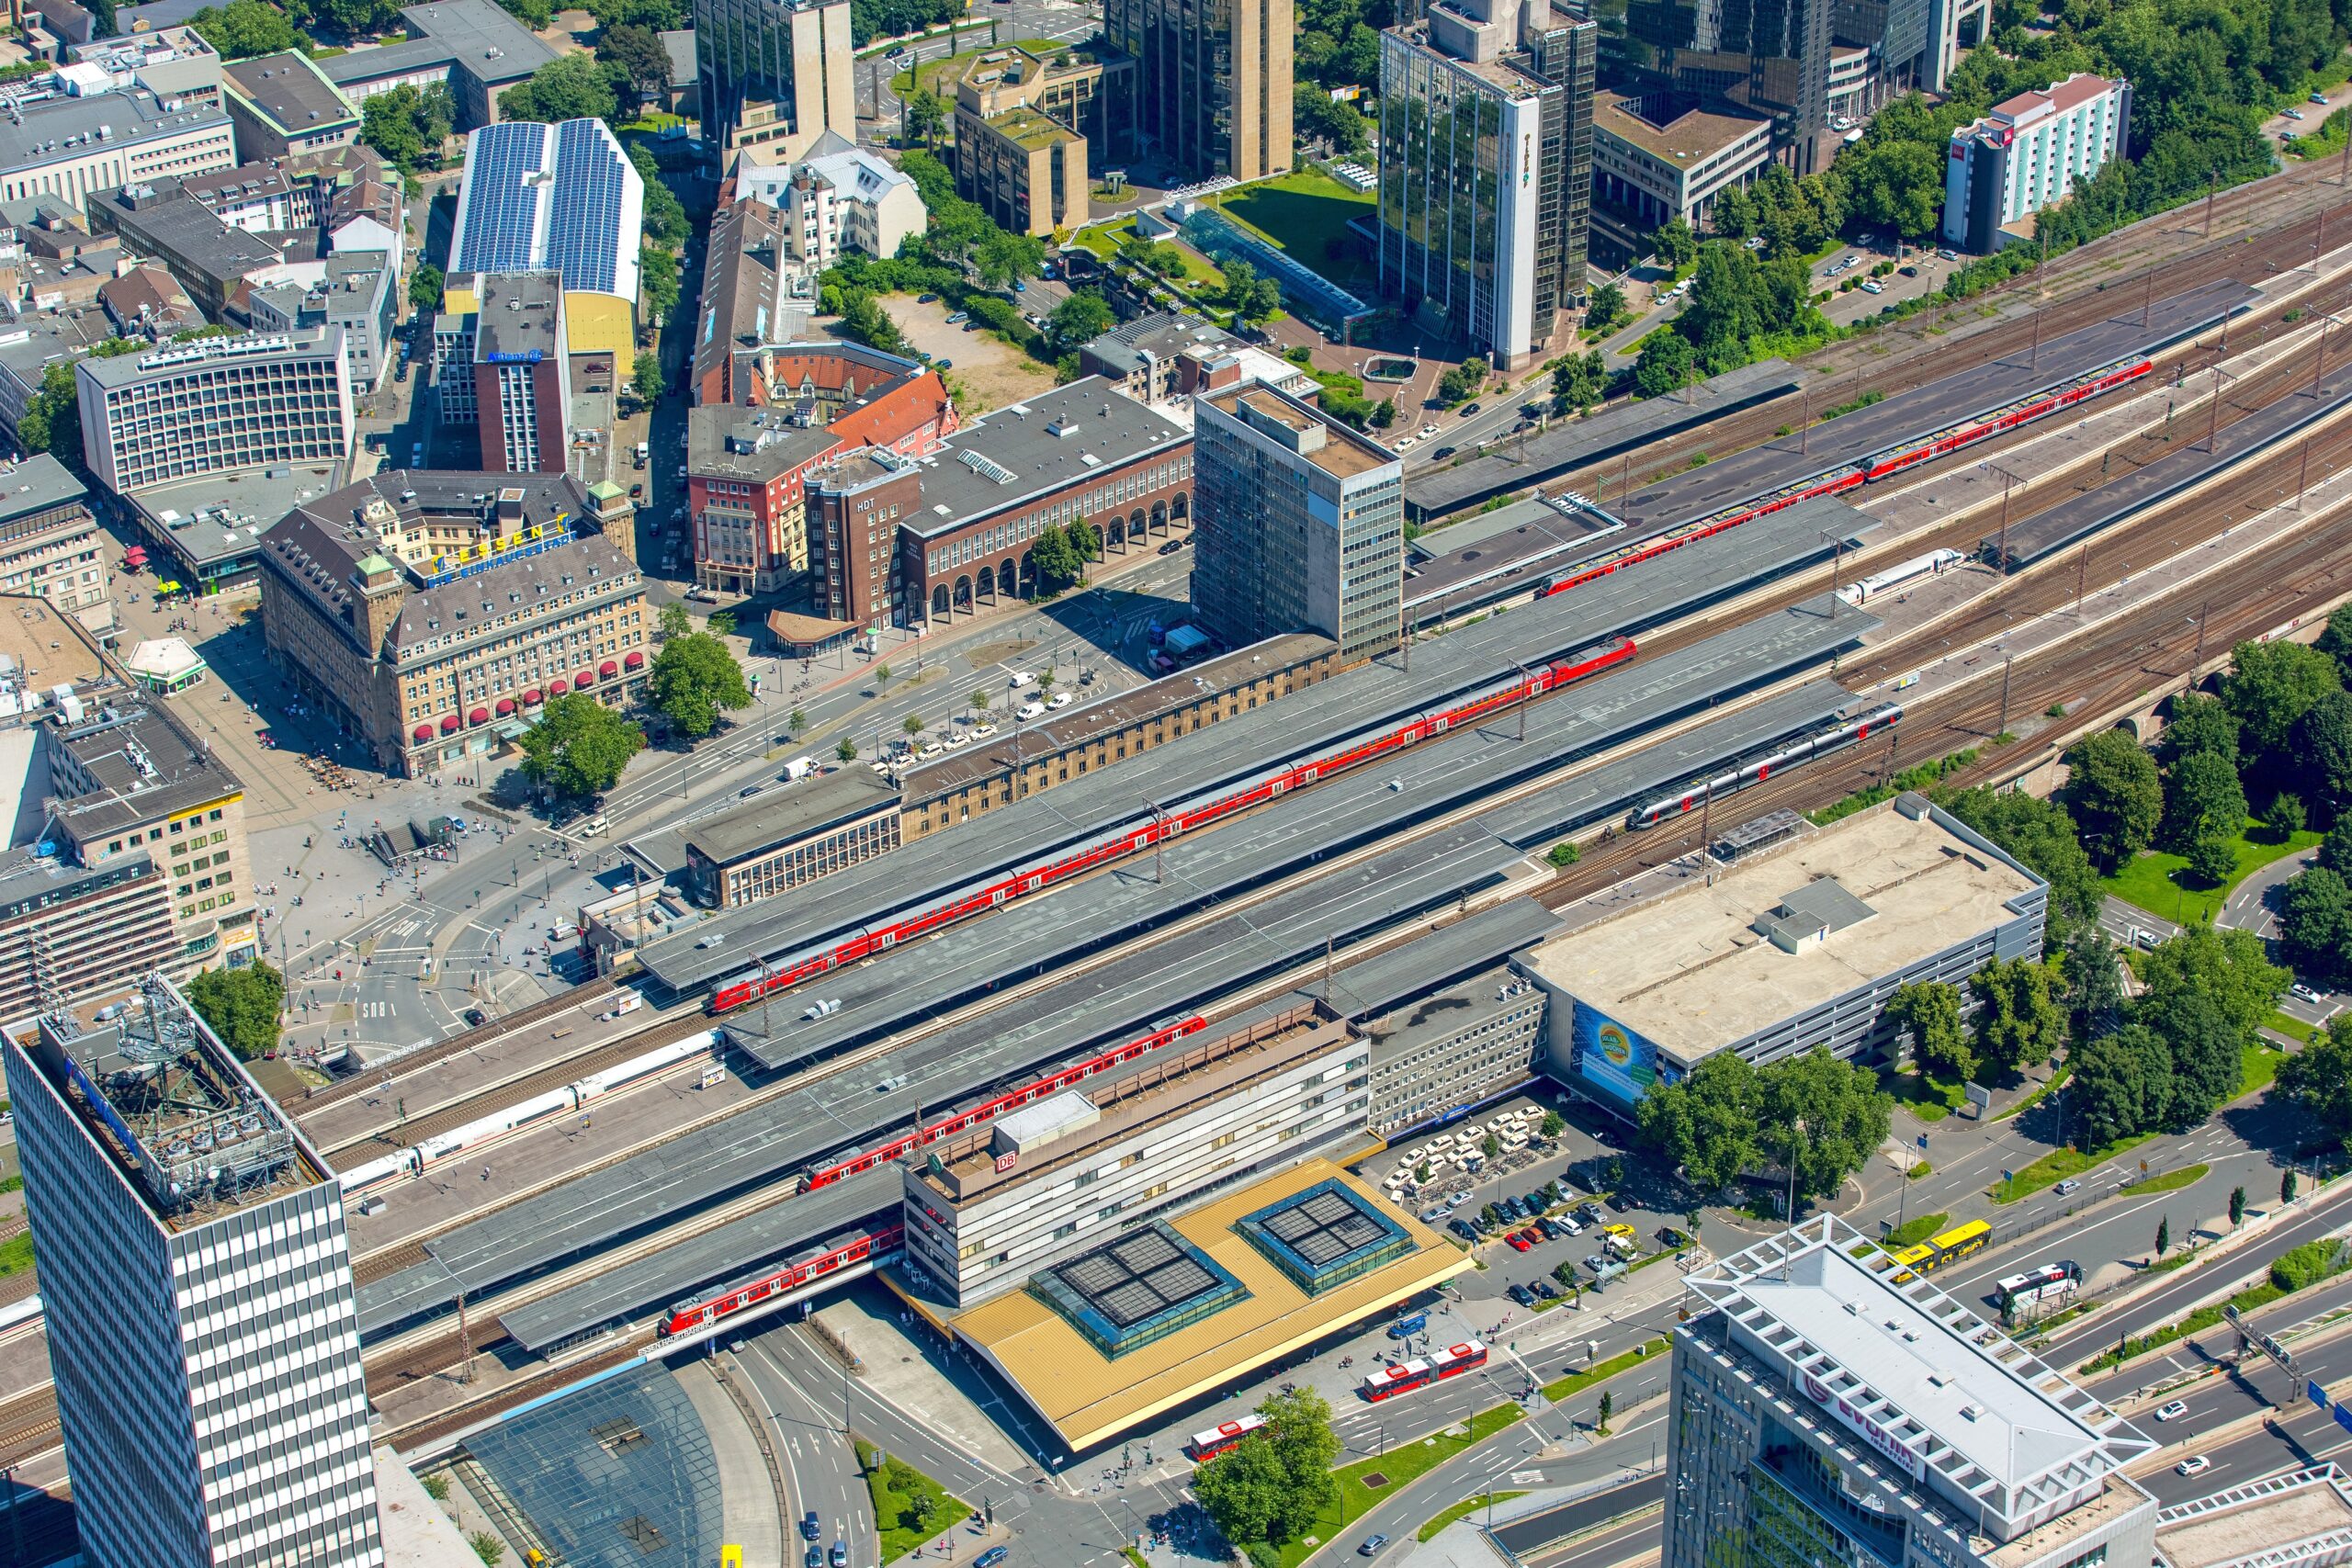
(496, 1029)
(27, 1426)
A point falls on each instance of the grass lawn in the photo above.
(2171, 1181)
(1912, 1232)
(16, 1253)
(2261, 1064)
(1602, 1371)
(1400, 1466)
(2294, 1027)
(932, 69)
(2056, 1165)
(1302, 212)
(2057, 1081)
(1103, 238)
(2161, 884)
(894, 1489)
(1461, 1510)
(1929, 1098)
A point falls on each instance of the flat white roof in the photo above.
(1921, 1379)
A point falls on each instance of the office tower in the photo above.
(555, 198)
(1485, 170)
(198, 1286)
(1299, 525)
(777, 71)
(1760, 57)
(218, 405)
(1829, 1407)
(1211, 82)
(2028, 152)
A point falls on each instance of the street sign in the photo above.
(1923, 1141)
(2344, 1418)
(1978, 1096)
(2316, 1394)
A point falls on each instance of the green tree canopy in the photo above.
(2271, 685)
(2323, 746)
(2203, 799)
(389, 124)
(2227, 965)
(2317, 1080)
(2336, 639)
(2018, 1019)
(1664, 364)
(2199, 724)
(2118, 1087)
(2315, 924)
(639, 58)
(2115, 795)
(243, 29)
(694, 680)
(569, 86)
(1079, 319)
(1674, 243)
(424, 287)
(1846, 1117)
(1059, 564)
(648, 380)
(1928, 1012)
(2095, 1000)
(2043, 836)
(1898, 186)
(1707, 1124)
(578, 745)
(2207, 1055)
(1268, 1484)
(241, 1005)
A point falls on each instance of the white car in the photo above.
(2171, 1411)
(1031, 710)
(1872, 286)
(1058, 700)
(2311, 994)
(1427, 430)
(958, 740)
(1407, 444)
(930, 749)
(2195, 1465)
(982, 730)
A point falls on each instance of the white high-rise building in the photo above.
(196, 1282)
(2028, 153)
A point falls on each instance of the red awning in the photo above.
(135, 555)
(556, 687)
(635, 661)
(534, 697)
(607, 670)
(506, 706)
(425, 732)
(480, 715)
(449, 723)
(585, 677)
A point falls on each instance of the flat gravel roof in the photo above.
(1367, 699)
(1761, 469)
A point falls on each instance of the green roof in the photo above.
(605, 490)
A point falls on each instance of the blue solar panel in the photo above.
(569, 220)
(582, 237)
(502, 204)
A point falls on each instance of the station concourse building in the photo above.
(1803, 944)
(1822, 1411)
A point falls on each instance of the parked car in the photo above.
(2294, 113)
(1058, 700)
(2320, 99)
(2309, 993)
(956, 316)
(1463, 1229)
(1171, 547)
(1518, 1240)
(1522, 1295)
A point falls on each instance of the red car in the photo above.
(1518, 1241)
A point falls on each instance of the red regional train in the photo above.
(1868, 470)
(750, 986)
(876, 1245)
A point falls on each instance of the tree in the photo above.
(665, 217)
(795, 723)
(2042, 835)
(578, 745)
(2317, 1079)
(2199, 724)
(1298, 1429)
(2335, 640)
(694, 680)
(2285, 815)
(1707, 1124)
(1491, 1146)
(2118, 1087)
(388, 124)
(52, 421)
(845, 749)
(1554, 1124)
(912, 723)
(924, 1509)
(241, 1006)
(2323, 746)
(424, 287)
(673, 621)
(569, 86)
(979, 699)
(1664, 364)
(2228, 966)
(649, 382)
(2115, 796)
(2315, 924)
(1928, 1011)
(1081, 319)
(243, 29)
(1673, 243)
(656, 272)
(1580, 381)
(1244, 1489)
(2163, 1235)
(2272, 685)
(1605, 308)
(2203, 800)
(2287, 1187)
(1315, 113)
(1899, 186)
(2237, 1207)
(2095, 1000)
(1600, 1415)
(2018, 1020)
(2335, 848)
(1059, 565)
(926, 116)
(637, 55)
(487, 1547)
(1846, 1117)
(2206, 1056)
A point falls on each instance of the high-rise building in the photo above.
(1211, 82)
(1759, 57)
(1299, 525)
(2028, 152)
(1829, 1407)
(777, 71)
(557, 197)
(197, 1281)
(219, 405)
(1485, 170)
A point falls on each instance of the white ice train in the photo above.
(407, 1162)
(1933, 564)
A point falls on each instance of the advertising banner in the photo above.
(1612, 1057)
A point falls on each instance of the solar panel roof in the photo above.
(1139, 1276)
(559, 197)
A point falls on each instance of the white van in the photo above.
(1031, 710)
(594, 827)
(1022, 678)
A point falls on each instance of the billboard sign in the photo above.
(529, 356)
(1612, 1057)
(1864, 1426)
